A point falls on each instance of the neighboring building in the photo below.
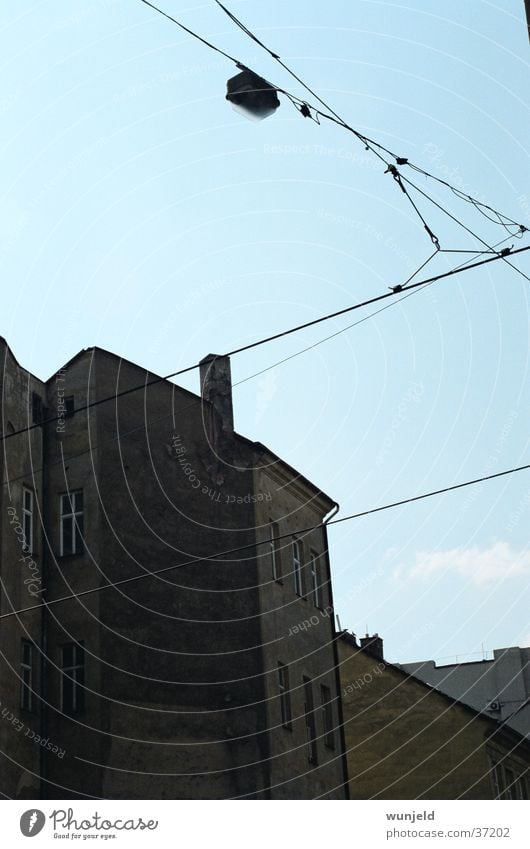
(217, 678)
(406, 740)
(499, 687)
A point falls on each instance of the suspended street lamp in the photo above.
(251, 95)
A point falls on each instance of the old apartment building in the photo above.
(500, 686)
(173, 657)
(407, 740)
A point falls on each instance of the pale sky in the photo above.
(142, 214)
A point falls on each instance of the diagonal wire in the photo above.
(250, 346)
(374, 146)
(256, 543)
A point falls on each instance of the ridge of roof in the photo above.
(498, 725)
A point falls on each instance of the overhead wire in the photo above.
(375, 147)
(332, 115)
(33, 470)
(190, 31)
(331, 336)
(252, 345)
(372, 145)
(461, 224)
(256, 543)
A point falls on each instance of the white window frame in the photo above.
(28, 512)
(72, 671)
(328, 724)
(298, 564)
(507, 781)
(75, 518)
(310, 723)
(285, 695)
(276, 561)
(316, 587)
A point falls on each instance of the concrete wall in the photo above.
(20, 576)
(300, 635)
(181, 691)
(406, 741)
(504, 680)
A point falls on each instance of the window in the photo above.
(297, 567)
(497, 778)
(309, 713)
(37, 410)
(27, 520)
(72, 523)
(510, 784)
(316, 589)
(327, 716)
(274, 533)
(26, 676)
(285, 695)
(73, 678)
(69, 406)
(506, 783)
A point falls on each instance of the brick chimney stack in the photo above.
(373, 645)
(216, 387)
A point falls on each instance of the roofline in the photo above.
(498, 726)
(95, 349)
(263, 449)
(326, 500)
(21, 367)
(496, 656)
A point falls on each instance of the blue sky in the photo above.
(142, 214)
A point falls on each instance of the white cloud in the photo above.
(480, 565)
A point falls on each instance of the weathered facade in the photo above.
(499, 687)
(406, 740)
(192, 654)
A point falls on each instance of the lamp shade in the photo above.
(251, 95)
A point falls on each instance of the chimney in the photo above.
(216, 387)
(373, 645)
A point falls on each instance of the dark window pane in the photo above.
(310, 721)
(68, 694)
(285, 695)
(68, 655)
(78, 547)
(73, 678)
(327, 715)
(36, 408)
(80, 690)
(67, 535)
(26, 653)
(25, 700)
